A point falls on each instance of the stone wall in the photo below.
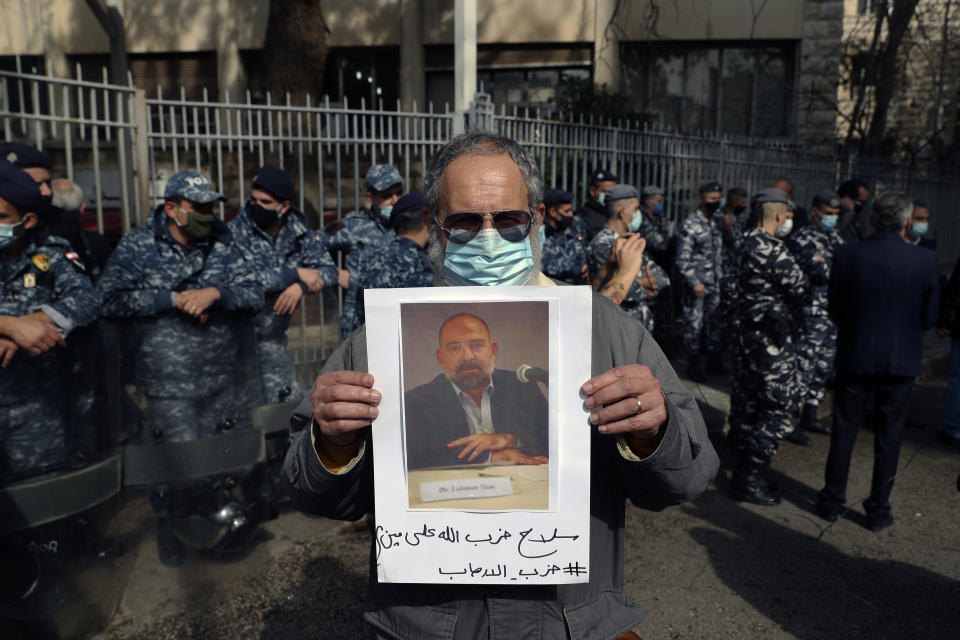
(819, 73)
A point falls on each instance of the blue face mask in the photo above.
(385, 211)
(829, 223)
(543, 235)
(636, 221)
(488, 260)
(8, 234)
(919, 229)
(602, 198)
(658, 208)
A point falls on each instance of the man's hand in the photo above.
(515, 456)
(7, 349)
(195, 302)
(727, 221)
(477, 443)
(698, 290)
(343, 403)
(943, 332)
(311, 278)
(584, 272)
(343, 278)
(32, 333)
(817, 256)
(287, 301)
(613, 396)
(628, 252)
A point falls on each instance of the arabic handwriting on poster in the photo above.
(531, 544)
(505, 571)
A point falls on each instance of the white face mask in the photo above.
(785, 228)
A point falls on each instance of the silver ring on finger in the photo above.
(639, 406)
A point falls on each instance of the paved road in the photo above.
(709, 569)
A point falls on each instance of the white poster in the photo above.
(482, 444)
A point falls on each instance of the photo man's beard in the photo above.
(470, 375)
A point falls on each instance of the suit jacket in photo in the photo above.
(883, 295)
(433, 416)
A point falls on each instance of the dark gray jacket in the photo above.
(679, 470)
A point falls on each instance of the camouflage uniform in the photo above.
(772, 292)
(33, 400)
(362, 232)
(275, 260)
(402, 264)
(654, 231)
(565, 252)
(187, 370)
(699, 256)
(732, 245)
(818, 335)
(635, 302)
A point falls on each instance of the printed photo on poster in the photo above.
(476, 404)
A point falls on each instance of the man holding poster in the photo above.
(648, 442)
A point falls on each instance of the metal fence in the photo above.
(122, 145)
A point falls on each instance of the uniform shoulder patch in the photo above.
(75, 261)
(41, 261)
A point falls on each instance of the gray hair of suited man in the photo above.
(483, 143)
(891, 211)
(67, 195)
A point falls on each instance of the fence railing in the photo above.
(121, 145)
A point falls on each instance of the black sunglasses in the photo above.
(463, 226)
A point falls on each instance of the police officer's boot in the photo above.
(798, 437)
(810, 422)
(695, 368)
(749, 485)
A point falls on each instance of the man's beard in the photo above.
(435, 253)
(471, 375)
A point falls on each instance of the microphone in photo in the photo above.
(528, 373)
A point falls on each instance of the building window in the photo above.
(19, 95)
(170, 71)
(693, 87)
(368, 73)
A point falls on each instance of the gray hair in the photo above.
(891, 212)
(484, 143)
(67, 195)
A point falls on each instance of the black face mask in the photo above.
(710, 207)
(563, 223)
(858, 207)
(261, 216)
(739, 210)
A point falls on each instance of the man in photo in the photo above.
(473, 412)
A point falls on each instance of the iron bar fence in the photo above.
(121, 145)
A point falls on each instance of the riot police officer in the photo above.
(563, 239)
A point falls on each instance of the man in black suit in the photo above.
(473, 412)
(883, 295)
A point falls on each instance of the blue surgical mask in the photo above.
(488, 260)
(919, 229)
(543, 235)
(828, 223)
(658, 208)
(385, 211)
(602, 198)
(636, 221)
(8, 234)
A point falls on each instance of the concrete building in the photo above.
(689, 64)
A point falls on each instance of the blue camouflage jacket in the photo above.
(178, 355)
(699, 253)
(275, 260)
(402, 264)
(42, 278)
(804, 245)
(565, 252)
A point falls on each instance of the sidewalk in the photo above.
(713, 568)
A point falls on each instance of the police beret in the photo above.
(19, 189)
(409, 202)
(621, 192)
(737, 191)
(828, 198)
(381, 177)
(651, 190)
(557, 196)
(191, 185)
(602, 175)
(710, 187)
(23, 155)
(276, 181)
(770, 195)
